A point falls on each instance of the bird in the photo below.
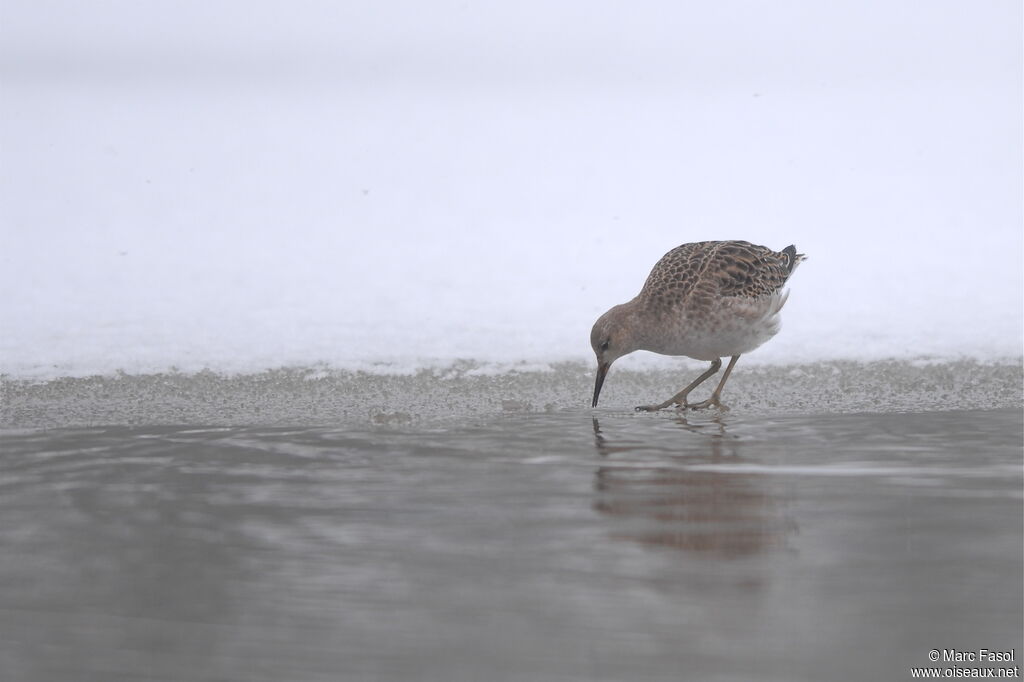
(704, 300)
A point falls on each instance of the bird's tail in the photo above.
(793, 258)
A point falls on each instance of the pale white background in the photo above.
(244, 185)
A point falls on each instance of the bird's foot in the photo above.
(713, 401)
(679, 403)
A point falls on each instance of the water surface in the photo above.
(521, 546)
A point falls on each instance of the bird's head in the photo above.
(611, 338)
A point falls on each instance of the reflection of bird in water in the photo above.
(705, 300)
(718, 513)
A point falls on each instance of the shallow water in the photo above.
(523, 546)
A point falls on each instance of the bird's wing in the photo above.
(746, 270)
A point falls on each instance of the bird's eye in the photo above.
(604, 346)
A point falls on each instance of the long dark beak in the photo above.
(602, 372)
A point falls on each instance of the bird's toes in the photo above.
(710, 402)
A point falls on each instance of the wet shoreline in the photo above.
(319, 396)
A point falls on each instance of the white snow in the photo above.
(398, 185)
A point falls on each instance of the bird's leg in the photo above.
(680, 398)
(713, 400)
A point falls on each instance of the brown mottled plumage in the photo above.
(705, 300)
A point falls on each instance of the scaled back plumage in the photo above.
(710, 270)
